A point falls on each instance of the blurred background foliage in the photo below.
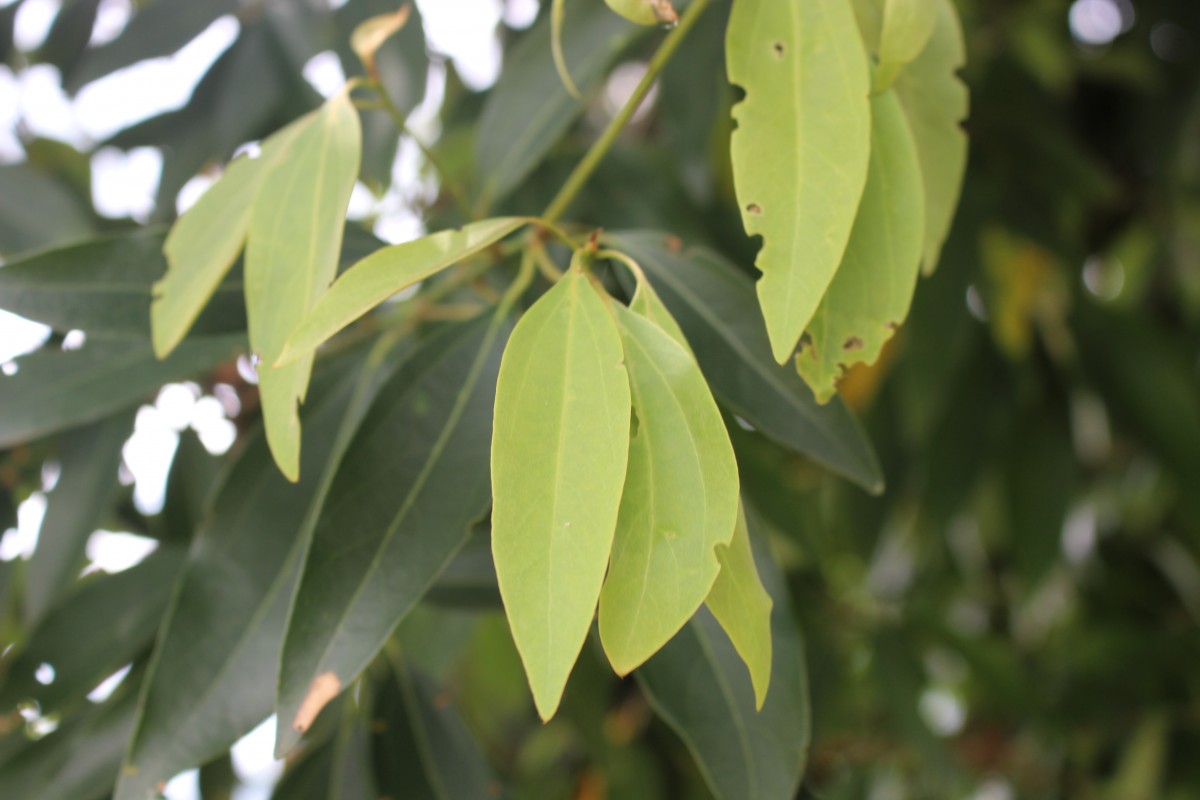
(1015, 617)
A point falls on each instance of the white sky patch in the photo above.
(46, 109)
(124, 183)
(151, 87)
(324, 72)
(33, 22)
(10, 112)
(520, 14)
(111, 18)
(466, 32)
(1095, 22)
(148, 455)
(19, 336)
(254, 761)
(21, 541)
(116, 551)
(192, 191)
(184, 786)
(106, 687)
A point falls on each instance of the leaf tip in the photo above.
(324, 688)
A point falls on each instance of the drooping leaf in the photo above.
(557, 14)
(370, 34)
(387, 271)
(394, 518)
(559, 454)
(292, 255)
(529, 110)
(873, 288)
(700, 687)
(103, 287)
(936, 102)
(56, 390)
(800, 149)
(423, 750)
(213, 673)
(907, 26)
(741, 605)
(88, 459)
(645, 12)
(679, 503)
(715, 305)
(94, 632)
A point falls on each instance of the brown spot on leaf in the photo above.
(852, 343)
(674, 244)
(754, 208)
(443, 700)
(779, 49)
(324, 688)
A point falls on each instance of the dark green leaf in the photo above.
(37, 210)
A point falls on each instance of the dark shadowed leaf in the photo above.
(37, 210)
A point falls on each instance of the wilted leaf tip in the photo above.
(324, 688)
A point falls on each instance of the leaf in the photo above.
(699, 686)
(648, 304)
(56, 390)
(800, 149)
(871, 293)
(336, 769)
(680, 499)
(529, 110)
(936, 103)
(742, 607)
(38, 210)
(395, 515)
(907, 27)
(716, 309)
(103, 286)
(556, 49)
(645, 12)
(423, 749)
(371, 34)
(559, 454)
(87, 485)
(102, 626)
(388, 271)
(292, 255)
(212, 676)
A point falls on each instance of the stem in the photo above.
(584, 169)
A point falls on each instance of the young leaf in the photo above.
(292, 255)
(936, 102)
(742, 606)
(647, 303)
(715, 305)
(387, 271)
(679, 503)
(907, 26)
(557, 14)
(800, 149)
(870, 295)
(699, 686)
(645, 12)
(559, 453)
(370, 35)
(395, 516)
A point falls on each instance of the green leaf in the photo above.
(800, 150)
(742, 607)
(38, 210)
(395, 516)
(54, 390)
(936, 103)
(559, 453)
(529, 110)
(387, 271)
(423, 749)
(680, 499)
(645, 12)
(103, 286)
(907, 27)
(213, 673)
(714, 303)
(87, 484)
(647, 303)
(102, 626)
(870, 295)
(292, 255)
(336, 769)
(700, 687)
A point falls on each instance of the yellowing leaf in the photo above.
(936, 103)
(387, 271)
(800, 149)
(559, 450)
(871, 293)
(907, 26)
(370, 35)
(291, 256)
(743, 607)
(680, 499)
(645, 12)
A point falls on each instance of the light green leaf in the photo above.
(715, 305)
(54, 390)
(699, 686)
(529, 110)
(395, 516)
(907, 26)
(647, 303)
(387, 271)
(559, 454)
(680, 499)
(292, 255)
(556, 48)
(800, 149)
(936, 102)
(645, 12)
(742, 606)
(870, 295)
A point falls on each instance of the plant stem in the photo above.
(584, 169)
